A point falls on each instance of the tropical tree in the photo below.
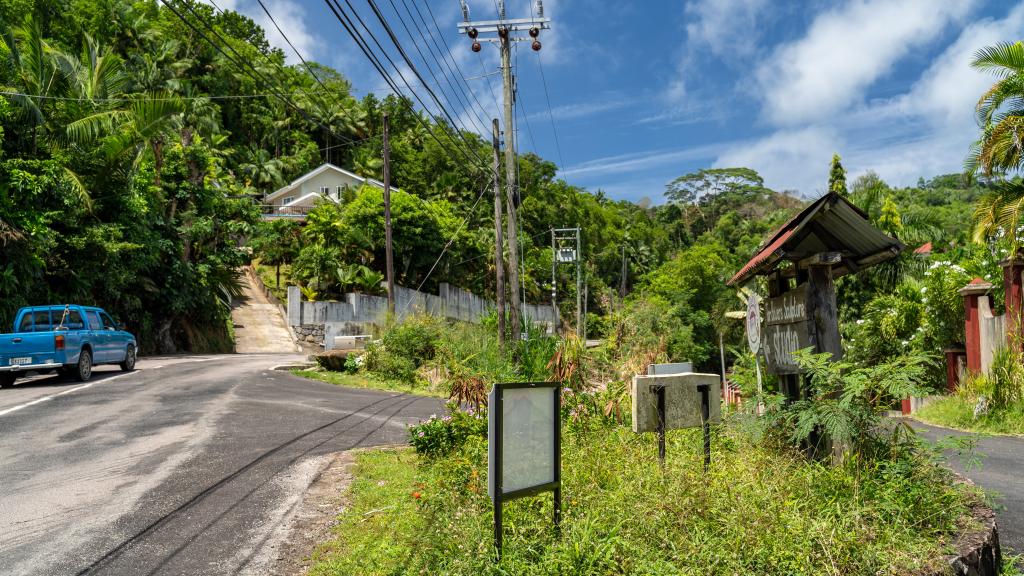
(145, 124)
(837, 176)
(1000, 111)
(263, 170)
(1000, 114)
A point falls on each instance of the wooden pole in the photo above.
(510, 183)
(388, 248)
(499, 253)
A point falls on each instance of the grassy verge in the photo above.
(957, 412)
(269, 277)
(758, 511)
(362, 380)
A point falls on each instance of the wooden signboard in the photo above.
(785, 330)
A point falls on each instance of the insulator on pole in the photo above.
(465, 10)
(540, 8)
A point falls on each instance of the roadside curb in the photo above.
(978, 551)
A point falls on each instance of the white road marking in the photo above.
(84, 386)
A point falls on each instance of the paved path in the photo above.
(1001, 472)
(186, 466)
(259, 325)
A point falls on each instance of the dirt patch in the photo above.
(312, 520)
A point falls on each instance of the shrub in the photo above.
(440, 436)
(415, 339)
(353, 362)
(384, 363)
(846, 402)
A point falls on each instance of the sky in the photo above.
(627, 95)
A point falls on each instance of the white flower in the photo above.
(861, 321)
(924, 289)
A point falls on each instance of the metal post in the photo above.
(705, 415)
(554, 280)
(389, 257)
(659, 389)
(499, 252)
(579, 289)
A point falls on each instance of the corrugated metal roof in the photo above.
(829, 224)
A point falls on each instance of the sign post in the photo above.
(524, 431)
(754, 340)
(671, 401)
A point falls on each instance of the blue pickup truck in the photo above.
(70, 339)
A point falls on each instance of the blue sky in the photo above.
(642, 92)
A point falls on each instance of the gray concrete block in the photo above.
(682, 401)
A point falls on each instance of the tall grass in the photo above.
(759, 510)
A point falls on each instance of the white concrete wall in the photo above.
(993, 332)
(358, 313)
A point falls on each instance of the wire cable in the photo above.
(551, 115)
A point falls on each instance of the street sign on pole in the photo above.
(754, 322)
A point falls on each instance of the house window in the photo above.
(340, 188)
(287, 200)
(325, 190)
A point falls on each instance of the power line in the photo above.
(448, 53)
(158, 98)
(349, 25)
(287, 101)
(478, 121)
(408, 61)
(309, 68)
(551, 115)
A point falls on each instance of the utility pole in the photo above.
(622, 286)
(503, 30)
(499, 252)
(388, 249)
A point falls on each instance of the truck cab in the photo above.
(69, 338)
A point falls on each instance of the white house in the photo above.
(326, 182)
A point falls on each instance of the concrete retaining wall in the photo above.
(357, 314)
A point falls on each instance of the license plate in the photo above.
(21, 361)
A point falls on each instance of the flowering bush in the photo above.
(353, 363)
(439, 436)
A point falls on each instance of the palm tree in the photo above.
(33, 71)
(263, 170)
(1000, 111)
(144, 124)
(1000, 149)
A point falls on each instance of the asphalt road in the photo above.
(1001, 473)
(185, 466)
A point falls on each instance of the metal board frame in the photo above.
(495, 463)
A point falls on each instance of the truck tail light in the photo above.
(58, 342)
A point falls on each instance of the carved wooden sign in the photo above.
(785, 330)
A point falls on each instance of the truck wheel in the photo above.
(7, 379)
(129, 360)
(84, 369)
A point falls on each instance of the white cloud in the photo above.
(290, 17)
(580, 109)
(923, 132)
(725, 27)
(640, 161)
(787, 159)
(844, 51)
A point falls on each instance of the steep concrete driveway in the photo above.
(186, 466)
(259, 325)
(1001, 471)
